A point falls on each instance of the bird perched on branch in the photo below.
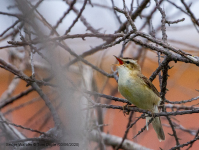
(139, 90)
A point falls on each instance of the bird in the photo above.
(139, 90)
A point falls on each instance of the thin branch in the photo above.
(118, 18)
(22, 127)
(64, 15)
(17, 97)
(129, 125)
(193, 142)
(76, 19)
(86, 62)
(160, 67)
(12, 26)
(180, 127)
(174, 131)
(183, 102)
(174, 113)
(150, 121)
(185, 144)
(20, 74)
(193, 18)
(83, 19)
(134, 15)
(124, 11)
(35, 87)
(108, 97)
(175, 22)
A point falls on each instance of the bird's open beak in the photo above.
(119, 60)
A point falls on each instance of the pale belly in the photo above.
(138, 94)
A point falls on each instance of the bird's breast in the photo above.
(137, 93)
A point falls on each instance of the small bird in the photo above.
(139, 90)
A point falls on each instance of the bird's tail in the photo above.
(157, 126)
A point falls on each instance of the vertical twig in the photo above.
(127, 129)
(31, 51)
(165, 69)
(118, 18)
(76, 19)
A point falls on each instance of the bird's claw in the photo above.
(126, 112)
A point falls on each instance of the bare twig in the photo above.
(64, 15)
(118, 18)
(176, 21)
(82, 9)
(174, 131)
(11, 100)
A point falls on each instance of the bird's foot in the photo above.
(126, 112)
(161, 107)
(152, 115)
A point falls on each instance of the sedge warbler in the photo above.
(139, 90)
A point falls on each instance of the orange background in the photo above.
(182, 82)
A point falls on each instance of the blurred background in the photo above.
(51, 64)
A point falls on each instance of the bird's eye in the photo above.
(127, 62)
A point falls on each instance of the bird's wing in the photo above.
(149, 84)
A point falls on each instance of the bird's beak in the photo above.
(120, 60)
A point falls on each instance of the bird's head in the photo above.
(128, 64)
